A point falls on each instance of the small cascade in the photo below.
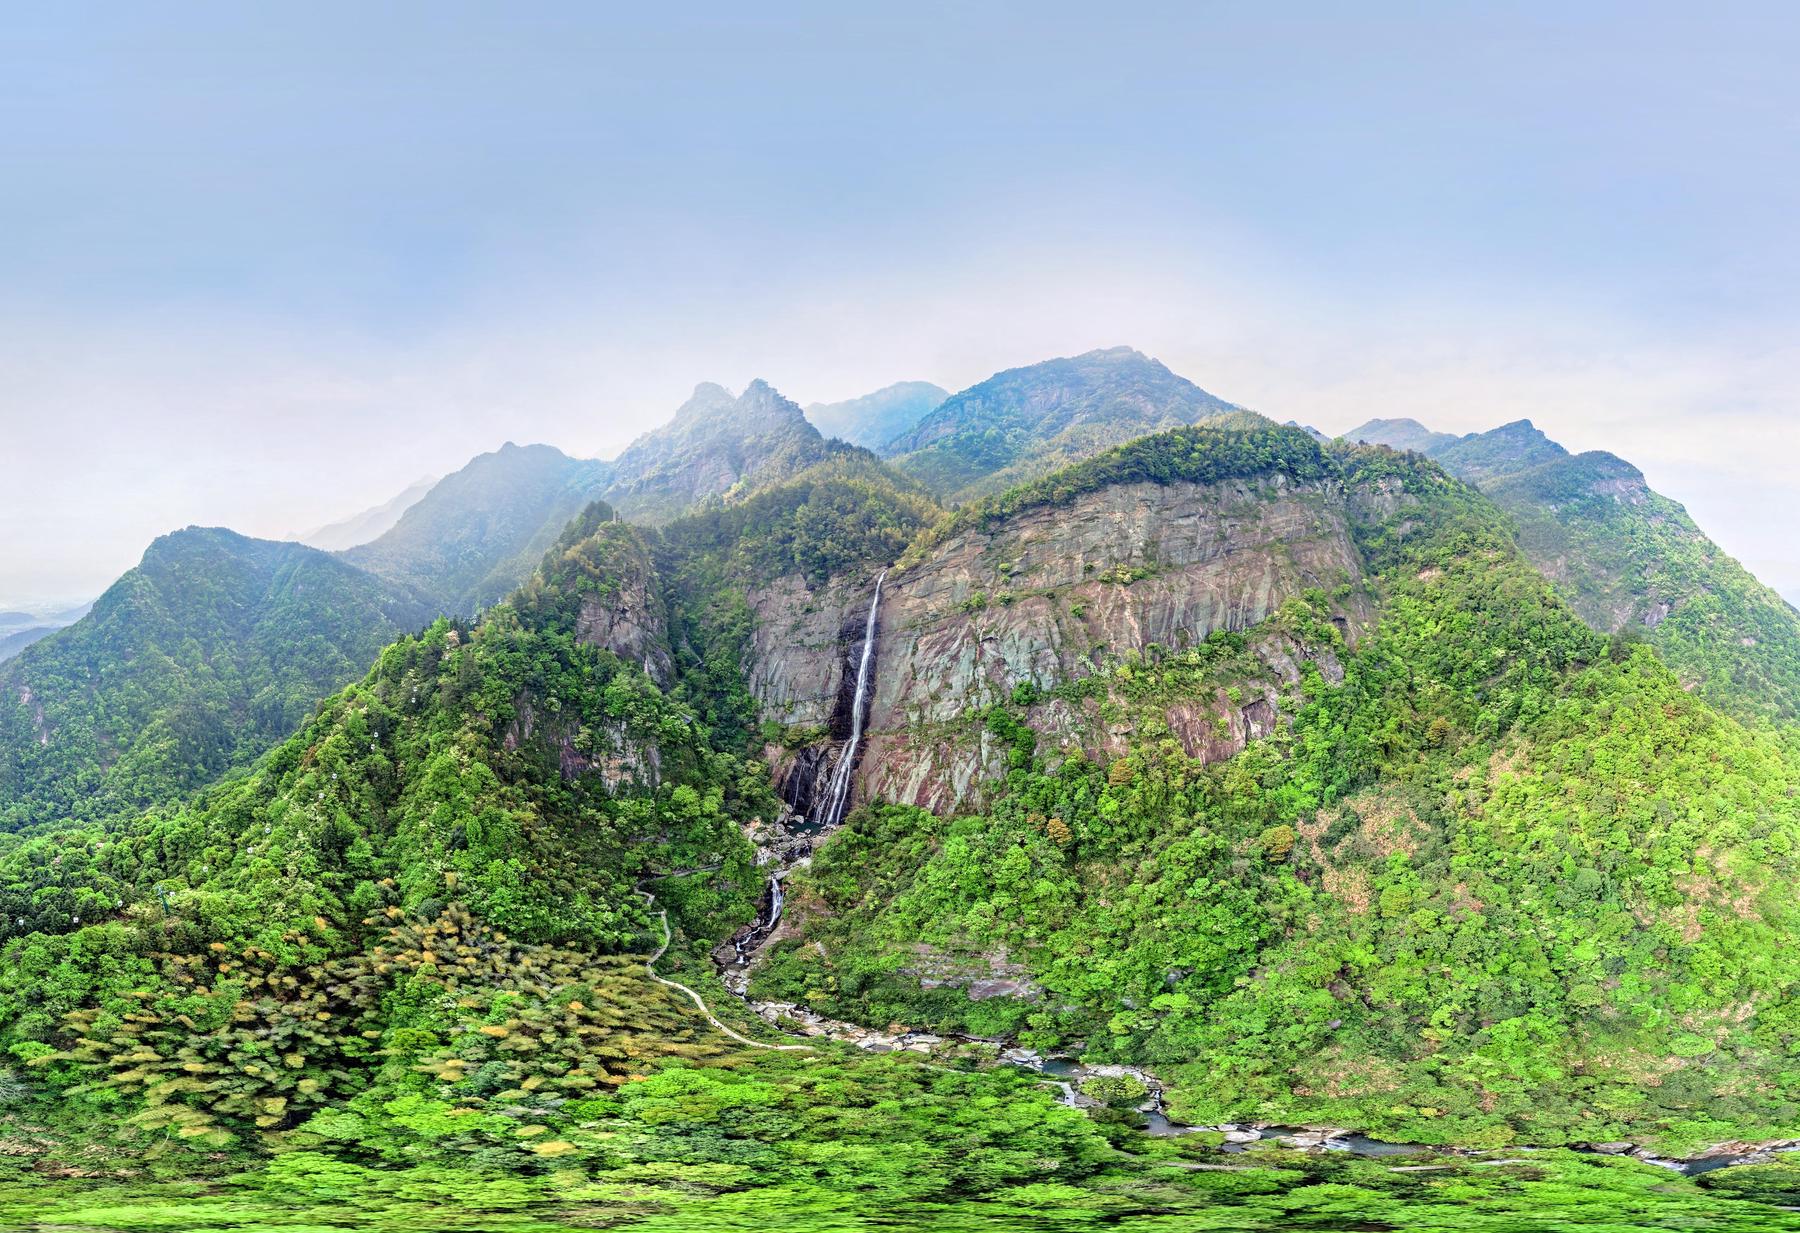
(838, 797)
(751, 938)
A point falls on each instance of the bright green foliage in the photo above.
(1506, 880)
(1631, 560)
(1495, 877)
(195, 662)
(688, 1179)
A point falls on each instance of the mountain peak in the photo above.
(1024, 422)
(875, 420)
(1401, 433)
(714, 444)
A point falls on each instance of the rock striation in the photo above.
(1048, 597)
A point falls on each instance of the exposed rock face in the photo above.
(714, 443)
(981, 977)
(629, 620)
(1053, 595)
(611, 750)
(797, 656)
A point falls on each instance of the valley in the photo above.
(1183, 826)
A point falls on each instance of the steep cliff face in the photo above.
(627, 615)
(1050, 597)
(798, 650)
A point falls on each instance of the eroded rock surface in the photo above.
(1053, 595)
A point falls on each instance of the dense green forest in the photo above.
(1024, 423)
(1629, 560)
(211, 650)
(1497, 881)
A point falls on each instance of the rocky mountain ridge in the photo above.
(1026, 422)
(1630, 560)
(716, 444)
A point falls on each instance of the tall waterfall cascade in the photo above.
(838, 796)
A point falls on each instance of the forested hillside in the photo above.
(212, 649)
(479, 532)
(1025, 422)
(1502, 879)
(1256, 781)
(1630, 561)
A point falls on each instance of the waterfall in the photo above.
(839, 794)
(762, 928)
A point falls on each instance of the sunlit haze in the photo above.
(263, 273)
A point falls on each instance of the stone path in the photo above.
(650, 967)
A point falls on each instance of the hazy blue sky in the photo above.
(265, 265)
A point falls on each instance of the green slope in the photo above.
(214, 647)
(1506, 881)
(1503, 881)
(480, 531)
(1025, 422)
(1632, 562)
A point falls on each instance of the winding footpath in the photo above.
(650, 967)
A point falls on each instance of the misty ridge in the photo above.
(851, 620)
(1077, 738)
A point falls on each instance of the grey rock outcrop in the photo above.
(1052, 595)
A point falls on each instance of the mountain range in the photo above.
(875, 419)
(1630, 560)
(763, 823)
(360, 528)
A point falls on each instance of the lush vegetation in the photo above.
(865, 1146)
(835, 516)
(1197, 455)
(211, 650)
(1506, 880)
(1496, 877)
(1630, 560)
(1027, 422)
(479, 532)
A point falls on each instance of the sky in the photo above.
(263, 266)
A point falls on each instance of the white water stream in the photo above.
(838, 796)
